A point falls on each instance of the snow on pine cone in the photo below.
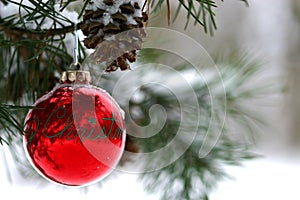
(114, 28)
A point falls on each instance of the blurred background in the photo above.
(270, 31)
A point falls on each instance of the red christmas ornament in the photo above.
(76, 134)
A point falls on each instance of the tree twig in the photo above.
(40, 34)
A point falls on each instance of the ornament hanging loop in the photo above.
(75, 71)
(76, 49)
(75, 64)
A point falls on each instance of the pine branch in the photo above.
(202, 11)
(191, 176)
(33, 52)
(195, 177)
(37, 14)
(9, 123)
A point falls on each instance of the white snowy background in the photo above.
(267, 28)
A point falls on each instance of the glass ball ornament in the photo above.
(75, 134)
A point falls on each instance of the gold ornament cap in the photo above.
(71, 76)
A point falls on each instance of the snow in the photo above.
(268, 178)
(106, 19)
(130, 19)
(261, 179)
(11, 9)
(114, 9)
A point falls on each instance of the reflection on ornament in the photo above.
(76, 134)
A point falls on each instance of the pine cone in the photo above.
(103, 22)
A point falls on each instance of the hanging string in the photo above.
(75, 50)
